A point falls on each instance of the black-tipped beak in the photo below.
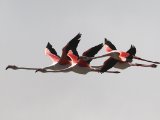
(7, 67)
(12, 67)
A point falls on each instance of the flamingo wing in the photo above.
(108, 45)
(74, 48)
(51, 49)
(108, 64)
(71, 45)
(51, 53)
(132, 52)
(92, 52)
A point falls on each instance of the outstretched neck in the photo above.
(27, 68)
(16, 67)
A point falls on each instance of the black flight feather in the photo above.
(74, 49)
(108, 64)
(92, 51)
(132, 52)
(73, 43)
(107, 42)
(52, 50)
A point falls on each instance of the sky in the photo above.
(27, 25)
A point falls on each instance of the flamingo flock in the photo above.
(70, 60)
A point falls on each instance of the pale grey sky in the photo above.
(27, 25)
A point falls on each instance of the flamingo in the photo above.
(120, 59)
(58, 62)
(82, 66)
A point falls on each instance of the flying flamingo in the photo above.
(58, 62)
(82, 66)
(120, 59)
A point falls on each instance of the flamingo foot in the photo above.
(116, 72)
(153, 65)
(157, 62)
(11, 67)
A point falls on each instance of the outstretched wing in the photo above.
(108, 45)
(108, 64)
(51, 49)
(71, 45)
(74, 49)
(132, 52)
(92, 52)
(51, 53)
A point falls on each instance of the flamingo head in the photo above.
(11, 67)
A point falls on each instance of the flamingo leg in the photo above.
(143, 65)
(138, 58)
(113, 72)
(98, 70)
(96, 66)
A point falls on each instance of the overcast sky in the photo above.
(27, 25)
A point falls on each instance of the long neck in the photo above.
(28, 68)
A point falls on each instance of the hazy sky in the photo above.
(27, 25)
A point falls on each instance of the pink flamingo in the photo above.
(58, 62)
(120, 59)
(82, 66)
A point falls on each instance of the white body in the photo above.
(122, 65)
(81, 70)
